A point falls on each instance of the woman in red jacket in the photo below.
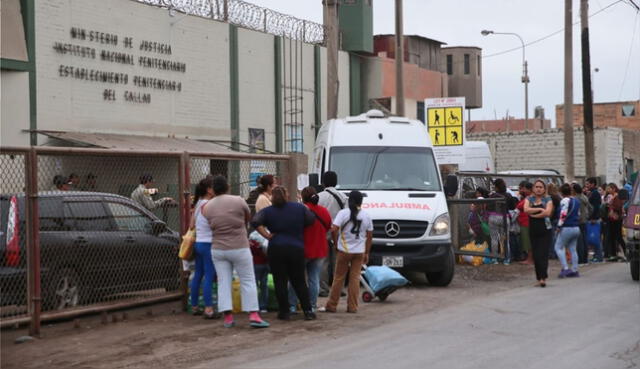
(315, 246)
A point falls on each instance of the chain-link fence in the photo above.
(107, 228)
(480, 227)
(249, 16)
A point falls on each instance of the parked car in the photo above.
(632, 223)
(93, 246)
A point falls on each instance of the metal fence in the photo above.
(467, 218)
(249, 16)
(89, 230)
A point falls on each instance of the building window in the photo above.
(478, 65)
(628, 110)
(420, 112)
(466, 64)
(449, 64)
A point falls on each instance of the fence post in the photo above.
(454, 225)
(225, 9)
(34, 300)
(184, 190)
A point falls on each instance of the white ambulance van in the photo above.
(391, 161)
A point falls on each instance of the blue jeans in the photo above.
(312, 267)
(204, 268)
(568, 237)
(262, 279)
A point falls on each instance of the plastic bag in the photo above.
(380, 277)
(475, 247)
(593, 234)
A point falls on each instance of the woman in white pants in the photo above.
(228, 216)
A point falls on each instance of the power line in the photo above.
(626, 69)
(551, 34)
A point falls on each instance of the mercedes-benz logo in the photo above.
(392, 229)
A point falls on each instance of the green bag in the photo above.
(485, 228)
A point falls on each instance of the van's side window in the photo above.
(88, 216)
(128, 218)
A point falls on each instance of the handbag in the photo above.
(186, 246)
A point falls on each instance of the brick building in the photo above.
(621, 114)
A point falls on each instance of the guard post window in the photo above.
(449, 64)
(478, 65)
(466, 64)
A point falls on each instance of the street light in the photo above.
(525, 73)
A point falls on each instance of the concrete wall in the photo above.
(604, 115)
(14, 109)
(545, 150)
(200, 110)
(256, 85)
(507, 125)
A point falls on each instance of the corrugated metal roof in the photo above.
(133, 142)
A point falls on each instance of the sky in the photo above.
(614, 35)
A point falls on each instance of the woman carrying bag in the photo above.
(202, 250)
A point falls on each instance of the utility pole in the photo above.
(332, 33)
(568, 91)
(587, 92)
(399, 61)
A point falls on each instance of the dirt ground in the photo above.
(168, 338)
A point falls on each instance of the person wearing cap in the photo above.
(60, 183)
(142, 194)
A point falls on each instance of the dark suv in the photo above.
(93, 246)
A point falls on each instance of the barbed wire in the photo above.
(249, 16)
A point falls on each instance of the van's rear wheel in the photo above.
(445, 276)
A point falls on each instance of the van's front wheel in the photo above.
(445, 276)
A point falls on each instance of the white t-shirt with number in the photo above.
(347, 241)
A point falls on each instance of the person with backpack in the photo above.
(315, 247)
(585, 211)
(568, 232)
(497, 218)
(352, 233)
(334, 201)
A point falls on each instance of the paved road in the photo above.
(589, 322)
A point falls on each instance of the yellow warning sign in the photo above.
(435, 117)
(453, 116)
(445, 126)
(438, 136)
(454, 136)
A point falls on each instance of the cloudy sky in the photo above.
(615, 45)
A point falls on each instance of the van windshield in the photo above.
(385, 168)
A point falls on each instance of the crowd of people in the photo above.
(544, 221)
(73, 182)
(323, 240)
